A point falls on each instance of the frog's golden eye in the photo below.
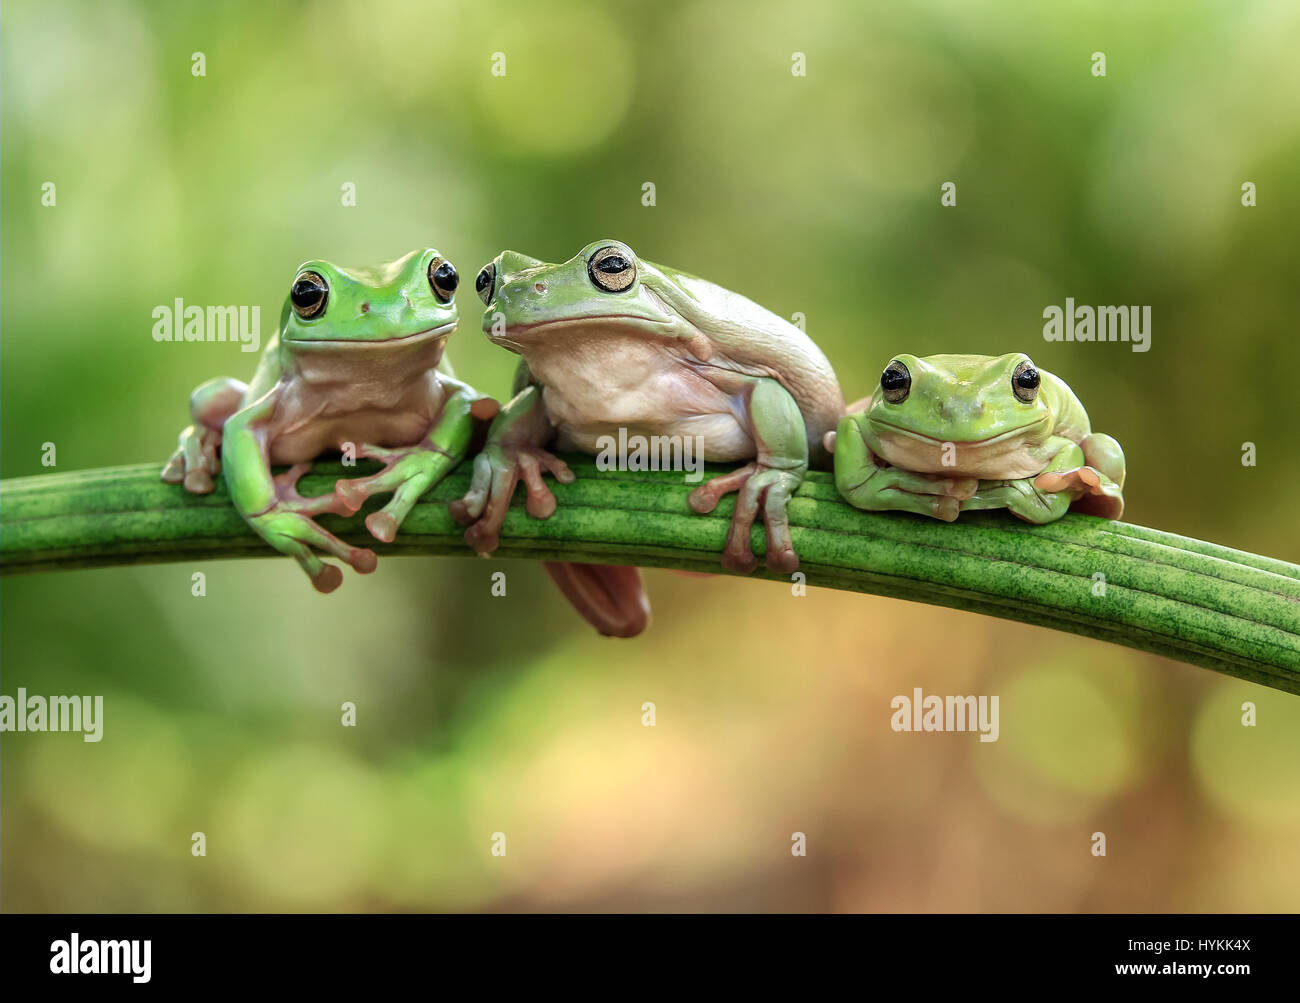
(1024, 382)
(443, 279)
(895, 382)
(611, 269)
(485, 284)
(308, 294)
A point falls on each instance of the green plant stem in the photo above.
(1223, 609)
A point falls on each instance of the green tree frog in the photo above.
(356, 366)
(952, 433)
(610, 341)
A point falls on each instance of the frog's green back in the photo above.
(755, 341)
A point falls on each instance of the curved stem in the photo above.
(1223, 609)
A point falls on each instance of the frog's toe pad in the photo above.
(459, 510)
(198, 481)
(382, 526)
(482, 537)
(960, 488)
(327, 579)
(352, 496)
(946, 508)
(736, 558)
(702, 504)
(484, 408)
(783, 562)
(1084, 480)
(363, 561)
(1053, 482)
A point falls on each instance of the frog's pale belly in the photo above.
(361, 428)
(645, 390)
(722, 438)
(309, 421)
(1006, 458)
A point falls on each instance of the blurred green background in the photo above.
(817, 195)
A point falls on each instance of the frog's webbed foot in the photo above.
(197, 458)
(497, 469)
(288, 526)
(1093, 492)
(759, 487)
(409, 471)
(196, 461)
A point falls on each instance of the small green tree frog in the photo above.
(610, 341)
(357, 366)
(952, 433)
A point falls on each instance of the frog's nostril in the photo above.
(365, 307)
(540, 286)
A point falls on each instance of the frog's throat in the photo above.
(888, 428)
(1007, 455)
(417, 337)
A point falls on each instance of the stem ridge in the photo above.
(1208, 605)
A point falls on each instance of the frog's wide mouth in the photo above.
(623, 320)
(1010, 433)
(428, 334)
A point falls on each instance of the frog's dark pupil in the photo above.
(446, 277)
(484, 280)
(612, 265)
(1027, 379)
(308, 292)
(895, 377)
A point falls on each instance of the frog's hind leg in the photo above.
(1023, 498)
(766, 485)
(409, 471)
(867, 484)
(611, 598)
(197, 458)
(293, 530)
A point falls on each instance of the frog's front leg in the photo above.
(197, 458)
(765, 485)
(869, 484)
(1097, 486)
(409, 471)
(513, 452)
(272, 506)
(1048, 495)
